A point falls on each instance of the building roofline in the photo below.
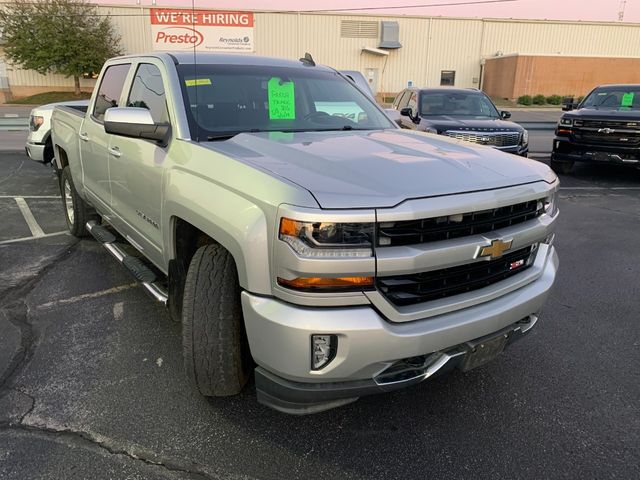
(387, 15)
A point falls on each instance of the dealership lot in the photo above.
(91, 381)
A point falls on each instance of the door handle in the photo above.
(84, 137)
(115, 151)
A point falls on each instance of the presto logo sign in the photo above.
(179, 36)
(204, 30)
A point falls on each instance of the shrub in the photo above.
(539, 100)
(554, 100)
(580, 98)
(525, 100)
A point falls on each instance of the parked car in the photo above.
(339, 256)
(38, 146)
(358, 78)
(463, 113)
(603, 128)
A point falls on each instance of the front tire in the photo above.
(561, 167)
(76, 211)
(214, 343)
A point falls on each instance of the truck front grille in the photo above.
(411, 232)
(606, 132)
(618, 137)
(493, 139)
(414, 288)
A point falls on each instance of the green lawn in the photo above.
(51, 97)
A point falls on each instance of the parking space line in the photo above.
(84, 296)
(30, 197)
(599, 188)
(36, 231)
(26, 239)
(118, 310)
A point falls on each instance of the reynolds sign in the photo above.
(204, 30)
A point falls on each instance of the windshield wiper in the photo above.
(228, 135)
(222, 136)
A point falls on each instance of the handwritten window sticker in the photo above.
(282, 103)
(627, 99)
(197, 82)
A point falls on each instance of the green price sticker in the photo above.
(627, 99)
(282, 102)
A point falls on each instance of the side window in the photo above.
(403, 100)
(396, 101)
(147, 91)
(110, 89)
(413, 103)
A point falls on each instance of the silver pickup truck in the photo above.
(299, 234)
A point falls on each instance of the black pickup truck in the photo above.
(604, 127)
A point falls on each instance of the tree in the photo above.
(58, 36)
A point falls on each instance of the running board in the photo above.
(134, 265)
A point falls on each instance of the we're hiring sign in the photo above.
(204, 30)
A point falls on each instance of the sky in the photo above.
(587, 10)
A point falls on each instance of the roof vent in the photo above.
(390, 35)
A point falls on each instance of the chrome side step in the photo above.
(134, 265)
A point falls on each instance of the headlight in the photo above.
(35, 121)
(328, 239)
(431, 130)
(551, 204)
(525, 137)
(566, 122)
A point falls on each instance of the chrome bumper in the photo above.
(35, 151)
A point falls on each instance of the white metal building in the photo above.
(433, 51)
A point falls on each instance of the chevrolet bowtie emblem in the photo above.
(496, 249)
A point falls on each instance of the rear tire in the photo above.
(76, 211)
(216, 352)
(561, 167)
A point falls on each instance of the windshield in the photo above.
(613, 99)
(225, 100)
(456, 104)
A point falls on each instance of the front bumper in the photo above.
(521, 150)
(564, 150)
(369, 345)
(35, 151)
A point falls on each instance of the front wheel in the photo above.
(76, 211)
(561, 167)
(215, 348)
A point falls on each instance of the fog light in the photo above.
(323, 350)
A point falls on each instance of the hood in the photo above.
(603, 114)
(446, 122)
(381, 168)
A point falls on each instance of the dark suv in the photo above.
(463, 113)
(604, 127)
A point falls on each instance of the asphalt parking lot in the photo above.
(91, 381)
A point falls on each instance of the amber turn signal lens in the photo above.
(290, 227)
(319, 283)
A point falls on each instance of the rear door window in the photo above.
(147, 91)
(110, 89)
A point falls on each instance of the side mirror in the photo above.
(568, 104)
(135, 122)
(407, 112)
(504, 114)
